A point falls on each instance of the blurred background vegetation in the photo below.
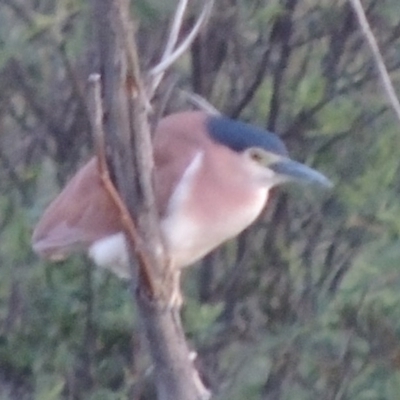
(306, 304)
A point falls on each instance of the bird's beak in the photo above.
(290, 170)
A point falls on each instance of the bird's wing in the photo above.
(81, 214)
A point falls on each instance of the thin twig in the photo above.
(200, 102)
(175, 28)
(383, 72)
(96, 120)
(170, 57)
(171, 42)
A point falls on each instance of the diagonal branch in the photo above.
(175, 28)
(200, 102)
(383, 72)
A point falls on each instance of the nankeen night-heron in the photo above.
(212, 179)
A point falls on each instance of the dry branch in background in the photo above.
(172, 52)
(380, 63)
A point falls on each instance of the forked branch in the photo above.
(172, 52)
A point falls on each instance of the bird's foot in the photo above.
(173, 283)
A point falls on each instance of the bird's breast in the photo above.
(203, 214)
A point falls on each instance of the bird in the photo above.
(212, 179)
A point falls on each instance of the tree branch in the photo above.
(199, 102)
(126, 108)
(172, 53)
(96, 119)
(383, 72)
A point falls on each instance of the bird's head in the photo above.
(279, 169)
(265, 151)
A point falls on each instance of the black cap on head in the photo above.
(239, 136)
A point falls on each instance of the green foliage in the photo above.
(200, 318)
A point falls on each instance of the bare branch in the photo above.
(200, 102)
(383, 72)
(175, 28)
(170, 55)
(171, 42)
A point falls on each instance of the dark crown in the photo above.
(239, 136)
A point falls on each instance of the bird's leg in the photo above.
(176, 297)
(175, 300)
(172, 294)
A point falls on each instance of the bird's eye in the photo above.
(262, 157)
(256, 156)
